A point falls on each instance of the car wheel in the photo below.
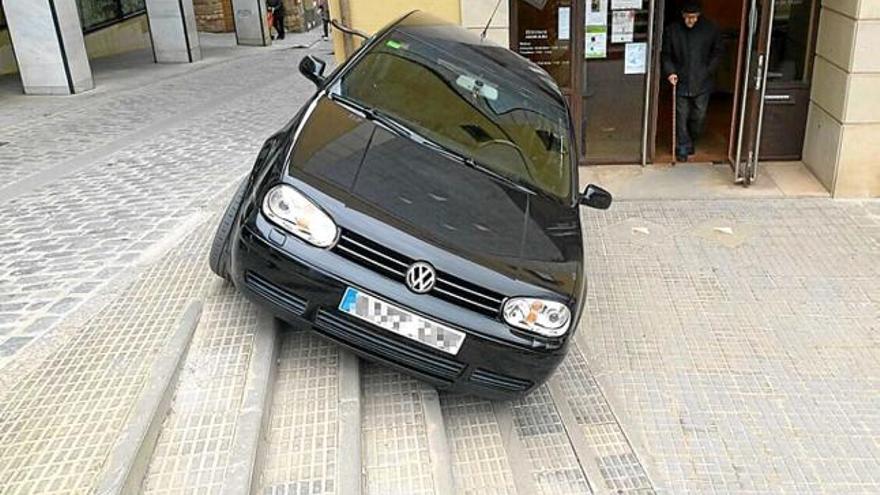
(217, 258)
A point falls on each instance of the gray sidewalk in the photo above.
(737, 341)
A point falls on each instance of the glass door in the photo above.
(613, 74)
(789, 72)
(754, 87)
(541, 32)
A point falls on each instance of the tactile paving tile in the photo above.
(555, 466)
(194, 444)
(394, 437)
(302, 446)
(59, 423)
(480, 464)
(618, 463)
(747, 366)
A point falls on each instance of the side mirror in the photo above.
(313, 69)
(596, 197)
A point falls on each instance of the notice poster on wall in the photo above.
(626, 4)
(622, 26)
(564, 25)
(635, 58)
(597, 12)
(596, 42)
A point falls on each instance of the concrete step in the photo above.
(147, 397)
(85, 419)
(313, 430)
(512, 446)
(561, 439)
(209, 438)
(405, 448)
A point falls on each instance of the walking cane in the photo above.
(674, 91)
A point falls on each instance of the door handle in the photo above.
(759, 73)
(778, 98)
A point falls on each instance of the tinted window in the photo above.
(790, 46)
(98, 13)
(465, 105)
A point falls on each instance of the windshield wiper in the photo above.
(477, 166)
(377, 116)
(401, 129)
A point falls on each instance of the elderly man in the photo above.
(692, 50)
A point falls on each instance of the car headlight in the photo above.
(296, 214)
(547, 318)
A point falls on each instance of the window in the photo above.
(130, 7)
(791, 48)
(96, 14)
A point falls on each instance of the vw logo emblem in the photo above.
(420, 277)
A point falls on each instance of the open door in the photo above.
(753, 89)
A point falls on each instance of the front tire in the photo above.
(217, 259)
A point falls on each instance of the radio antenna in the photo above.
(483, 34)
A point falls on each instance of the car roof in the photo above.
(467, 45)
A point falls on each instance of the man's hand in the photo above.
(673, 79)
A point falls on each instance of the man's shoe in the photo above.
(691, 151)
(681, 158)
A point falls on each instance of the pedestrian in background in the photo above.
(692, 51)
(324, 10)
(277, 8)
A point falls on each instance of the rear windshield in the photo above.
(468, 105)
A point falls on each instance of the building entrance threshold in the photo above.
(702, 181)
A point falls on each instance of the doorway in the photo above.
(713, 146)
(606, 55)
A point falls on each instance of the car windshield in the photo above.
(517, 132)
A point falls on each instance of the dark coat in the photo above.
(324, 9)
(693, 54)
(278, 5)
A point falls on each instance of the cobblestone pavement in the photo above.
(729, 346)
(146, 158)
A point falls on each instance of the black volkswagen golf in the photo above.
(422, 211)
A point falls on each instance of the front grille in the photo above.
(275, 294)
(368, 340)
(393, 265)
(496, 380)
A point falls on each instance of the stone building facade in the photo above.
(215, 16)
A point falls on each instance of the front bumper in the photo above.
(304, 286)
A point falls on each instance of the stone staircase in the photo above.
(182, 386)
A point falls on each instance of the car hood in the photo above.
(437, 199)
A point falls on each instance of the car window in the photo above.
(516, 132)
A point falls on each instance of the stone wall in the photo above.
(214, 16)
(843, 129)
(300, 15)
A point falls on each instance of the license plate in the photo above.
(400, 321)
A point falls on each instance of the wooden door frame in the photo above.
(656, 73)
(571, 93)
(737, 91)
